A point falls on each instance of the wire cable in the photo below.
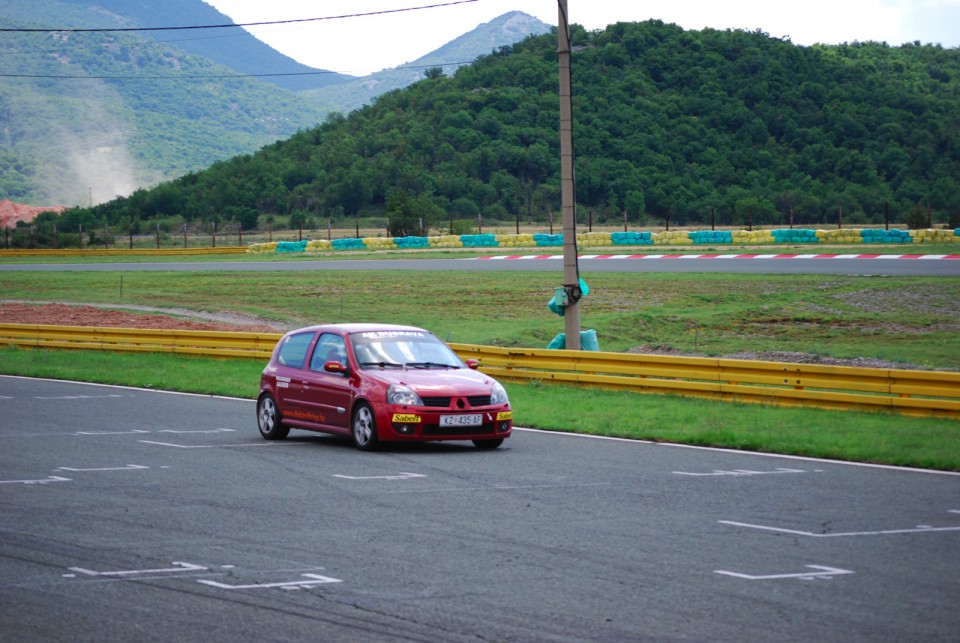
(231, 25)
(203, 76)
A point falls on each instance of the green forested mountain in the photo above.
(86, 116)
(666, 121)
(504, 30)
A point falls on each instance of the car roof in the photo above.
(355, 328)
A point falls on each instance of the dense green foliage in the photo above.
(667, 123)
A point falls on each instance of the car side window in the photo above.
(293, 352)
(329, 348)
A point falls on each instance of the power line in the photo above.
(231, 25)
(204, 76)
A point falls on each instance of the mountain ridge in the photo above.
(88, 116)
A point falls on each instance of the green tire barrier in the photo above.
(606, 239)
(291, 246)
(795, 236)
(479, 240)
(412, 242)
(711, 236)
(543, 239)
(631, 238)
(348, 244)
(885, 236)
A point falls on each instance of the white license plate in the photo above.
(474, 419)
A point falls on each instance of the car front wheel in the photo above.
(364, 428)
(268, 419)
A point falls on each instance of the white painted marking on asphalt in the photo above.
(741, 472)
(75, 397)
(177, 567)
(840, 534)
(215, 446)
(200, 431)
(313, 579)
(402, 476)
(826, 572)
(49, 479)
(135, 431)
(129, 467)
(505, 487)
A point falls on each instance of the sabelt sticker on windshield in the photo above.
(379, 334)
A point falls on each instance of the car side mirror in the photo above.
(334, 367)
(473, 364)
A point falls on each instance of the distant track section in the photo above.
(725, 256)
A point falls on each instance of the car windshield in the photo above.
(402, 348)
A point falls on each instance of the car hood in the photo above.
(437, 381)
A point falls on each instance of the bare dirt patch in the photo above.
(134, 317)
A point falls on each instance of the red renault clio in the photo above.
(379, 383)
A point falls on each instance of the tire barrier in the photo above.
(631, 238)
(606, 239)
(700, 237)
(795, 236)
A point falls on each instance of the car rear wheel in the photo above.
(268, 419)
(364, 428)
(488, 444)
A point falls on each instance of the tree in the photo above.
(407, 214)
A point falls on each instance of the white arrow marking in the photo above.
(314, 579)
(826, 572)
(741, 472)
(50, 479)
(179, 567)
(129, 467)
(402, 476)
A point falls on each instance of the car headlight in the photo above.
(402, 395)
(498, 395)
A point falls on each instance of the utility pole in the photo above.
(571, 270)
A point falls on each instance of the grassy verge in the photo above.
(878, 438)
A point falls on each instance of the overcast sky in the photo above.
(364, 44)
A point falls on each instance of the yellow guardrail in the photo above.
(188, 342)
(907, 392)
(120, 252)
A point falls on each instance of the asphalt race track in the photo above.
(763, 264)
(128, 514)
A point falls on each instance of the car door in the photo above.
(291, 363)
(326, 395)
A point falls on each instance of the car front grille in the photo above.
(444, 402)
